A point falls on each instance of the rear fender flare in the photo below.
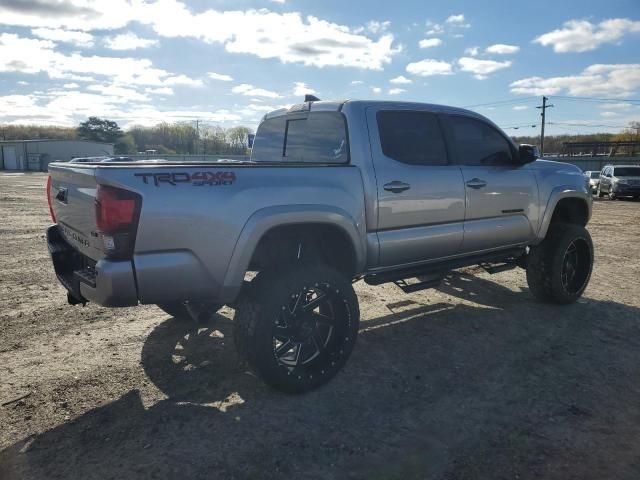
(270, 217)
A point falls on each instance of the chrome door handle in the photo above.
(476, 183)
(396, 186)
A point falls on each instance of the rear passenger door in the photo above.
(420, 194)
(501, 193)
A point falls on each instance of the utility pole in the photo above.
(543, 107)
(197, 134)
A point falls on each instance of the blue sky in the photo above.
(228, 62)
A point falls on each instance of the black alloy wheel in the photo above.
(296, 328)
(575, 266)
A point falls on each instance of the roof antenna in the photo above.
(311, 98)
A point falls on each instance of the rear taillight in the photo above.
(117, 213)
(53, 215)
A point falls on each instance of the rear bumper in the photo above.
(107, 283)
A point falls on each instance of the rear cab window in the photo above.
(315, 137)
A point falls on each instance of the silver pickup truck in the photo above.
(334, 192)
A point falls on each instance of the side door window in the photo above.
(414, 138)
(478, 143)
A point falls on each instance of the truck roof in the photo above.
(338, 105)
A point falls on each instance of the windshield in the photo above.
(626, 172)
(595, 174)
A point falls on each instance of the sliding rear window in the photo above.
(319, 137)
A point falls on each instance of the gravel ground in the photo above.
(472, 380)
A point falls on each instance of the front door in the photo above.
(420, 194)
(501, 194)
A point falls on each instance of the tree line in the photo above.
(182, 138)
(165, 138)
(554, 143)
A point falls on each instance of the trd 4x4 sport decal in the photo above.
(197, 179)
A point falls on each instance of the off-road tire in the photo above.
(180, 311)
(267, 313)
(547, 264)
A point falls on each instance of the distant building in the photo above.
(37, 154)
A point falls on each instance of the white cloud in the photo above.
(434, 28)
(72, 14)
(220, 76)
(119, 94)
(472, 51)
(22, 82)
(278, 1)
(31, 56)
(396, 91)
(376, 27)
(376, 89)
(289, 37)
(502, 49)
(401, 80)
(455, 18)
(520, 107)
(182, 80)
(71, 86)
(616, 80)
(582, 35)
(429, 42)
(617, 105)
(60, 107)
(261, 108)
(249, 90)
(300, 89)
(129, 41)
(428, 67)
(253, 111)
(481, 68)
(160, 91)
(81, 39)
(357, 82)
(609, 114)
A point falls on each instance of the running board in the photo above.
(493, 268)
(439, 269)
(420, 285)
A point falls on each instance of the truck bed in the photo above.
(198, 220)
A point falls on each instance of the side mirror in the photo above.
(528, 153)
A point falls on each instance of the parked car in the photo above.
(334, 192)
(594, 179)
(620, 181)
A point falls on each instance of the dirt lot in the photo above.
(473, 380)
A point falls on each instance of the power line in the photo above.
(596, 100)
(596, 125)
(501, 102)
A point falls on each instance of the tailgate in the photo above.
(73, 193)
